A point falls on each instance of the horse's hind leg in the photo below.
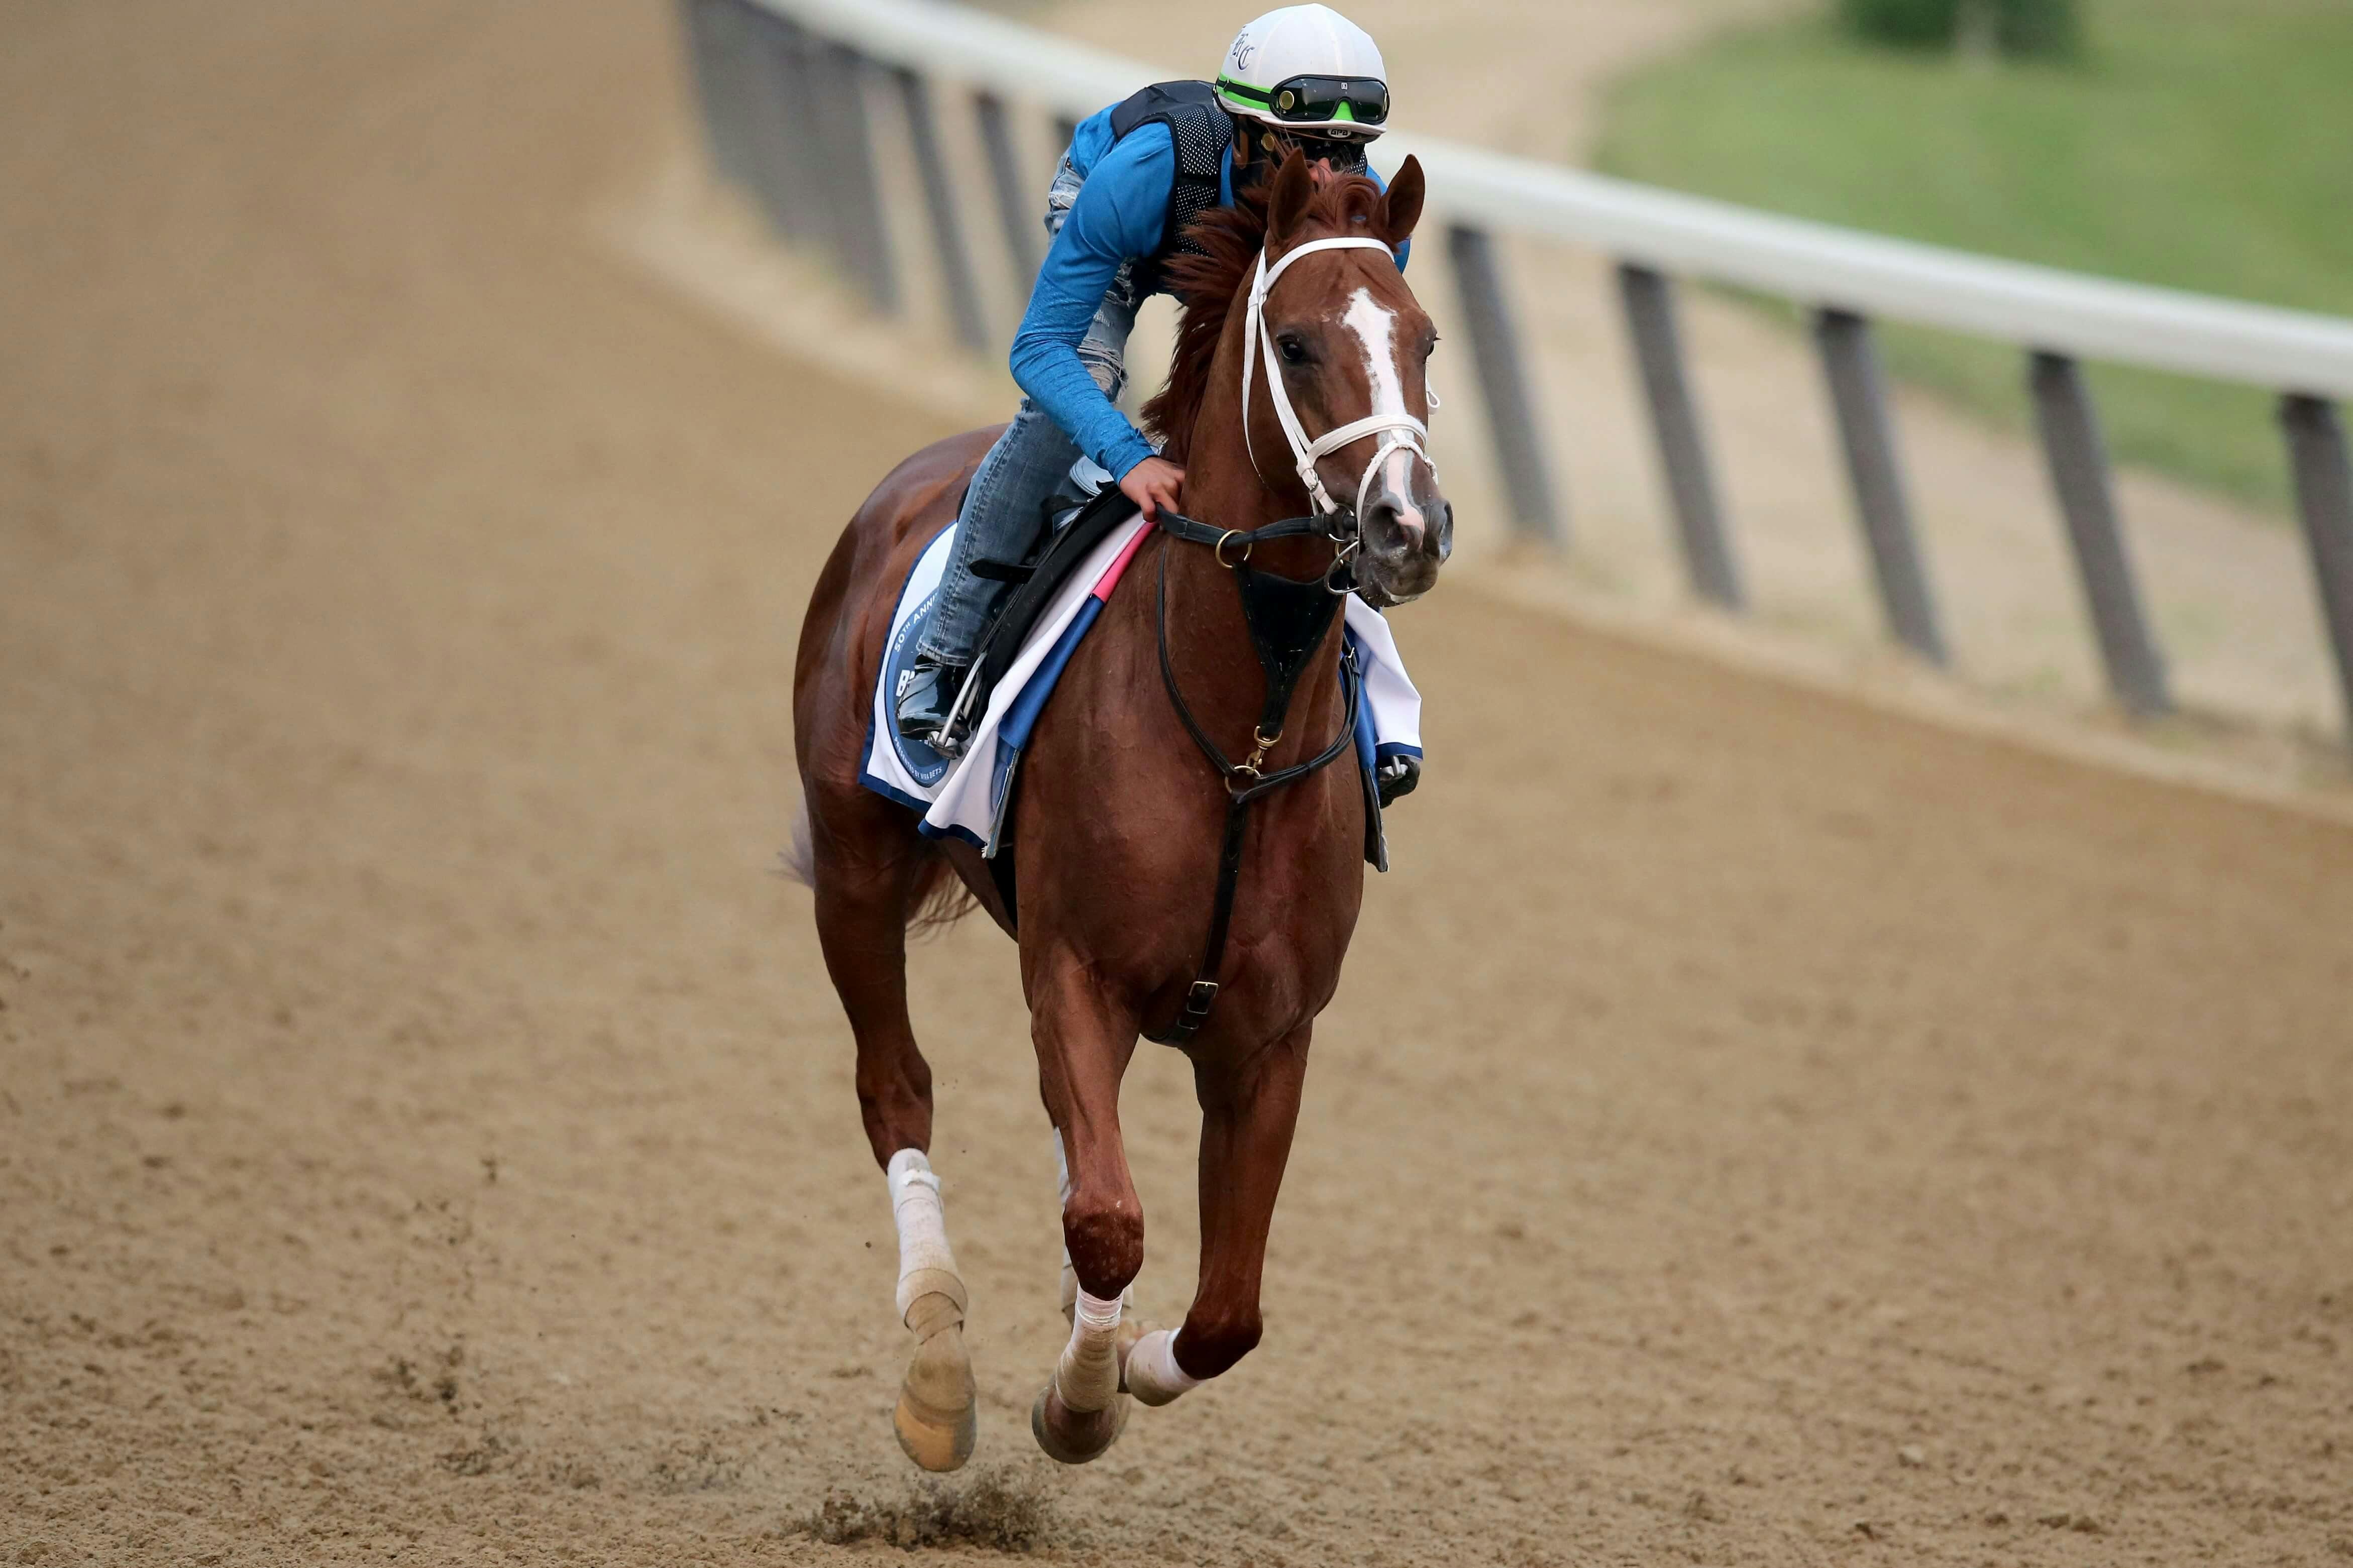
(868, 870)
(1248, 1113)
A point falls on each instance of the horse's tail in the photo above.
(797, 860)
(940, 900)
(941, 897)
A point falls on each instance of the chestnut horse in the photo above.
(1119, 824)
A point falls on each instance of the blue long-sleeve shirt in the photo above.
(1119, 216)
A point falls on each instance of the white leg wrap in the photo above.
(1153, 1374)
(926, 1266)
(1088, 1375)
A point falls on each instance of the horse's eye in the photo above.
(1293, 351)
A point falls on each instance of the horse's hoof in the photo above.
(938, 1417)
(1074, 1436)
(937, 1442)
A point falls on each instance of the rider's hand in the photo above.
(1153, 484)
(1397, 778)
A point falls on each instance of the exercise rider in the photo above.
(1132, 180)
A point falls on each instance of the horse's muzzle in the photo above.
(1408, 535)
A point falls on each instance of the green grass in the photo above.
(2202, 144)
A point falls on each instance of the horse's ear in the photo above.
(1286, 207)
(1401, 207)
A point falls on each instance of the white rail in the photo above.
(784, 120)
(2033, 307)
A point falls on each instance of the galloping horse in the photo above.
(1126, 846)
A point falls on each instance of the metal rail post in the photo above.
(1859, 395)
(864, 235)
(701, 59)
(1016, 203)
(2078, 460)
(1683, 447)
(721, 29)
(783, 157)
(956, 281)
(801, 120)
(2324, 494)
(1502, 382)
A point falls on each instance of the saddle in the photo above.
(1074, 524)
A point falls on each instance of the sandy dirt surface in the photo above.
(1753, 1130)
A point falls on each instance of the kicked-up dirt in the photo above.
(1754, 1129)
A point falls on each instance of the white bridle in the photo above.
(1402, 429)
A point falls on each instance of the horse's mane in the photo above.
(1208, 278)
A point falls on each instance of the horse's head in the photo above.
(1353, 349)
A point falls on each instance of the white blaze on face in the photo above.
(1376, 328)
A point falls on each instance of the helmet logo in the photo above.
(1244, 51)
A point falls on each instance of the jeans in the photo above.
(1004, 510)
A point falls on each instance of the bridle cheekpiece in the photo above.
(1401, 431)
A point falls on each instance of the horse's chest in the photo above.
(1129, 888)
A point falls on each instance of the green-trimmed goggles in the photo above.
(1315, 99)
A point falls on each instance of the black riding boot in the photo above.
(926, 695)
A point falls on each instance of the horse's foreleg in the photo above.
(1083, 1052)
(861, 911)
(1248, 1114)
(1070, 1276)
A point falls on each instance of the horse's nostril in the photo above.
(1390, 525)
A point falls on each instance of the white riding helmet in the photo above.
(1307, 68)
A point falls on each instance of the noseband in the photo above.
(1288, 619)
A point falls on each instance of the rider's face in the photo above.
(1275, 144)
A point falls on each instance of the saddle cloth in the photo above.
(968, 797)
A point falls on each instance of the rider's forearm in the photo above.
(1117, 216)
(1049, 370)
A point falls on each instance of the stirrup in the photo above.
(923, 705)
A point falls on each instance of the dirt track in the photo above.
(1754, 1129)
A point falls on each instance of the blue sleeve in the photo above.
(1119, 215)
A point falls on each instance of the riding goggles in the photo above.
(1316, 100)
